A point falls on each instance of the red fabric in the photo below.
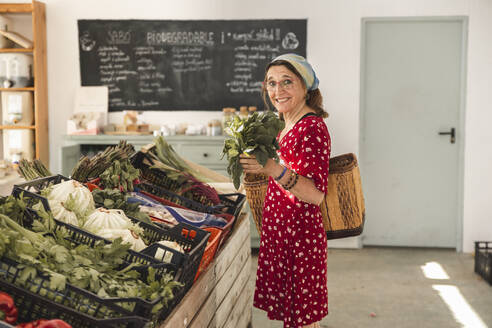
(292, 262)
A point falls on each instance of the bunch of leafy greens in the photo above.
(254, 135)
(91, 168)
(185, 180)
(113, 198)
(101, 268)
(120, 175)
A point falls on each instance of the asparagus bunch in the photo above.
(34, 169)
(89, 168)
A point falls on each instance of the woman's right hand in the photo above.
(250, 165)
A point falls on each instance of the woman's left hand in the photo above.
(250, 165)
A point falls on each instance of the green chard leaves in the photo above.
(254, 135)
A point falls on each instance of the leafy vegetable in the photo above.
(71, 194)
(99, 268)
(187, 181)
(90, 168)
(113, 198)
(120, 175)
(254, 135)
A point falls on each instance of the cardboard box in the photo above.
(90, 111)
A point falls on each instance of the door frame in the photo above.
(460, 136)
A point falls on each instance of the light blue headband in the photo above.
(303, 67)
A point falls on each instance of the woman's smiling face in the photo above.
(285, 89)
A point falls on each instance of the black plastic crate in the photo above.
(229, 203)
(483, 260)
(80, 308)
(143, 261)
(175, 267)
(184, 265)
(39, 184)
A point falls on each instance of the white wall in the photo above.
(334, 49)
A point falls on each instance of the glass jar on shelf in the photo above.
(243, 112)
(226, 117)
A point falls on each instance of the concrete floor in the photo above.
(387, 288)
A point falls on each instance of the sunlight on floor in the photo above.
(434, 270)
(462, 311)
(451, 295)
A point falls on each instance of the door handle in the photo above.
(451, 133)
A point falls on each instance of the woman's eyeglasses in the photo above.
(284, 84)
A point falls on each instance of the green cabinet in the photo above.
(203, 150)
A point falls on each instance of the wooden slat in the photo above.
(18, 89)
(222, 287)
(16, 50)
(226, 281)
(6, 8)
(245, 321)
(204, 316)
(183, 314)
(17, 127)
(225, 258)
(231, 298)
(190, 305)
(40, 82)
(240, 309)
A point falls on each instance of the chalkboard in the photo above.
(184, 65)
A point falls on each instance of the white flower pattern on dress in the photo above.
(291, 277)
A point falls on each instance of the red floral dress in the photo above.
(291, 279)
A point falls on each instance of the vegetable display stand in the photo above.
(192, 239)
(483, 260)
(77, 306)
(141, 261)
(222, 296)
(230, 203)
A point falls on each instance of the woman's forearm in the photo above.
(304, 189)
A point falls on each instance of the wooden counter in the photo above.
(222, 296)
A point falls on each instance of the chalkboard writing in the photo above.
(184, 65)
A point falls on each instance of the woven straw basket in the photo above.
(342, 208)
(256, 186)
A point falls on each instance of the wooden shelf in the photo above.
(16, 50)
(17, 89)
(37, 11)
(12, 8)
(17, 127)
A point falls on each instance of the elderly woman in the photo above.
(292, 261)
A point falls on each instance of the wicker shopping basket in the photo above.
(256, 186)
(342, 209)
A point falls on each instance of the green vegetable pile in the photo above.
(254, 135)
(182, 179)
(99, 268)
(34, 169)
(113, 198)
(120, 175)
(91, 168)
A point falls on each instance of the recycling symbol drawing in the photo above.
(290, 41)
